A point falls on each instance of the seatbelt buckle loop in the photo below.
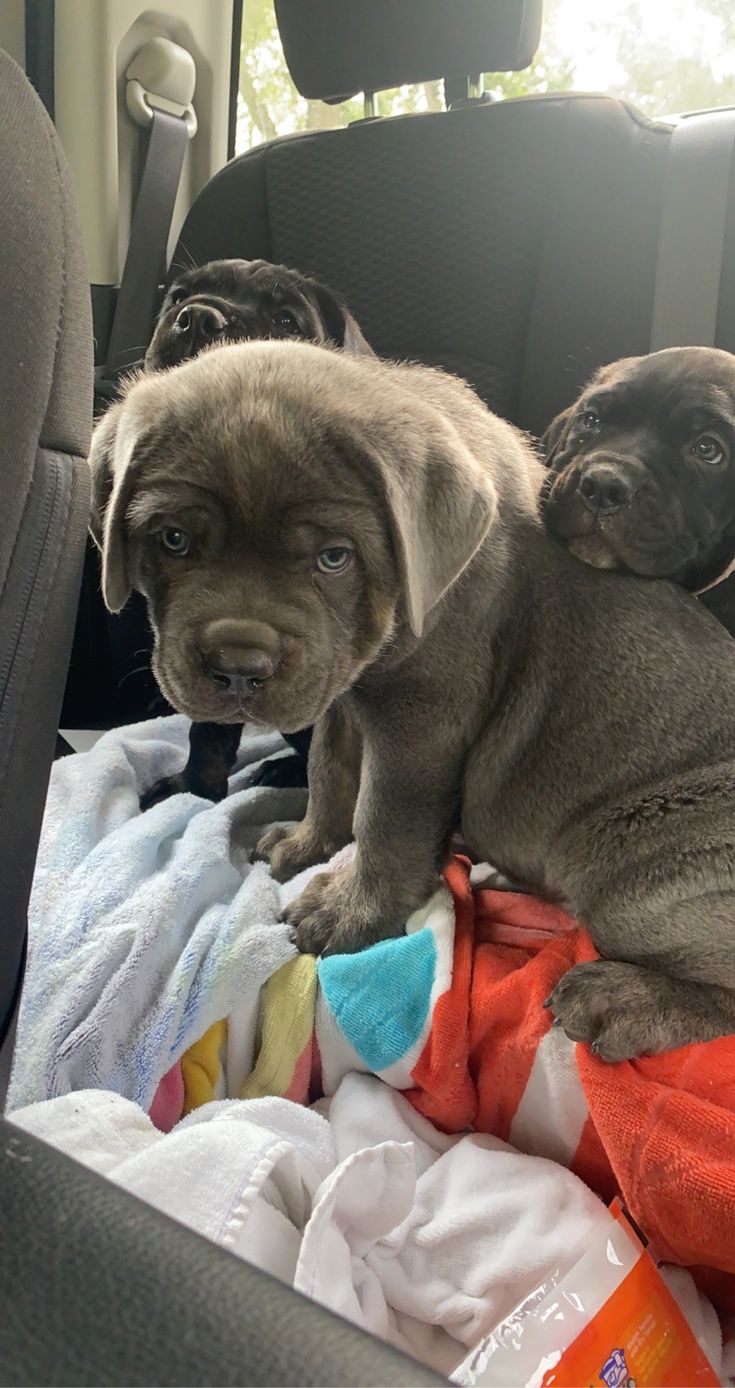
(162, 77)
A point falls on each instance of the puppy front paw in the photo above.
(284, 772)
(611, 1006)
(163, 790)
(289, 851)
(334, 916)
(215, 790)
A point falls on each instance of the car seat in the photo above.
(46, 408)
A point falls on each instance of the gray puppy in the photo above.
(367, 534)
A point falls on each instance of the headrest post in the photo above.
(474, 87)
(370, 105)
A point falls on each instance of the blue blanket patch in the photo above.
(381, 997)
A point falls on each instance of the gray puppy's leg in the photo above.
(402, 824)
(676, 995)
(334, 779)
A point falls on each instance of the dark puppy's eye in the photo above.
(175, 541)
(589, 419)
(177, 294)
(285, 320)
(335, 560)
(708, 449)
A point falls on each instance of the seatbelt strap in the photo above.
(145, 263)
(159, 93)
(691, 246)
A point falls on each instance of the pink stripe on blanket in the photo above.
(168, 1100)
(298, 1089)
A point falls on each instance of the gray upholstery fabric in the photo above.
(335, 48)
(46, 411)
(97, 1287)
(513, 243)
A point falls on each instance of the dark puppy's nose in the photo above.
(604, 489)
(201, 321)
(239, 656)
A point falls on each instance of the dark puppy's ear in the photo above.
(110, 462)
(339, 324)
(553, 440)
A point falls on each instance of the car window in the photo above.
(664, 58)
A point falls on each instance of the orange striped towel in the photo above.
(659, 1130)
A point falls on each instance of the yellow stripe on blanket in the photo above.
(201, 1067)
(287, 1027)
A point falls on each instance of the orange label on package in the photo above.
(638, 1339)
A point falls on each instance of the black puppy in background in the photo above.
(206, 306)
(247, 300)
(642, 472)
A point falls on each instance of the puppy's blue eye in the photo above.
(589, 419)
(175, 541)
(334, 561)
(708, 449)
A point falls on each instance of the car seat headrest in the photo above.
(335, 48)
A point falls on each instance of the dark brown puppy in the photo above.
(373, 542)
(244, 301)
(239, 301)
(642, 468)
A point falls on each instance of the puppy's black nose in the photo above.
(202, 322)
(239, 655)
(239, 669)
(604, 489)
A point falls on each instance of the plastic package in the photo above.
(605, 1317)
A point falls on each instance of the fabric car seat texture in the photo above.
(46, 409)
(513, 242)
(100, 1288)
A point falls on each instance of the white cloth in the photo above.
(423, 1239)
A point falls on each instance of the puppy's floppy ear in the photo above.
(100, 465)
(110, 460)
(440, 505)
(339, 324)
(553, 440)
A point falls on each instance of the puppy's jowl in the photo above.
(238, 301)
(373, 543)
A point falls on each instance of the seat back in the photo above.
(513, 243)
(46, 409)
